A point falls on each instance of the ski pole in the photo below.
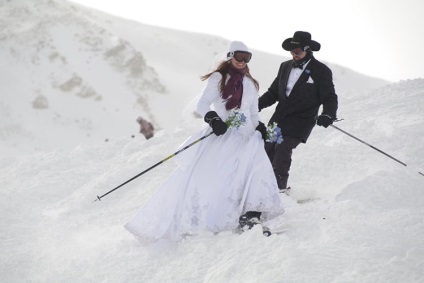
(153, 166)
(371, 146)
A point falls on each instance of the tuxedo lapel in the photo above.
(284, 78)
(301, 81)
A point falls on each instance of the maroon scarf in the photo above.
(233, 90)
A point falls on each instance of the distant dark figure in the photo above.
(146, 128)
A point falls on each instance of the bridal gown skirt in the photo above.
(216, 181)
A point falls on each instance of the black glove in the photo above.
(262, 129)
(218, 126)
(324, 120)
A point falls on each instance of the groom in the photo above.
(302, 85)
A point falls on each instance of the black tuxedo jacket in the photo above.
(296, 114)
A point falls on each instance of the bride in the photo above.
(226, 181)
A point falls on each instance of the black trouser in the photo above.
(280, 157)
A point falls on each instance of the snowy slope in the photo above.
(365, 226)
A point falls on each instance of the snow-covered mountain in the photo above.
(72, 76)
(66, 79)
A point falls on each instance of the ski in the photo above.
(287, 192)
(268, 231)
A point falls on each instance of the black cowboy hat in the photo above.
(300, 39)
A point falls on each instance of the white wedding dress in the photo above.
(217, 179)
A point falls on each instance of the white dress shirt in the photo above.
(293, 77)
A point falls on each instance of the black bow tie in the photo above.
(299, 65)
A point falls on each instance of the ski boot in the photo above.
(285, 191)
(249, 219)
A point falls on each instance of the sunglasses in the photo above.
(296, 51)
(241, 56)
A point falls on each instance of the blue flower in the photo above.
(273, 134)
(236, 119)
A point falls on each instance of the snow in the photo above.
(364, 224)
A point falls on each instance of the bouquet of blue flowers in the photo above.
(273, 134)
(236, 119)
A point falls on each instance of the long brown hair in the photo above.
(223, 70)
